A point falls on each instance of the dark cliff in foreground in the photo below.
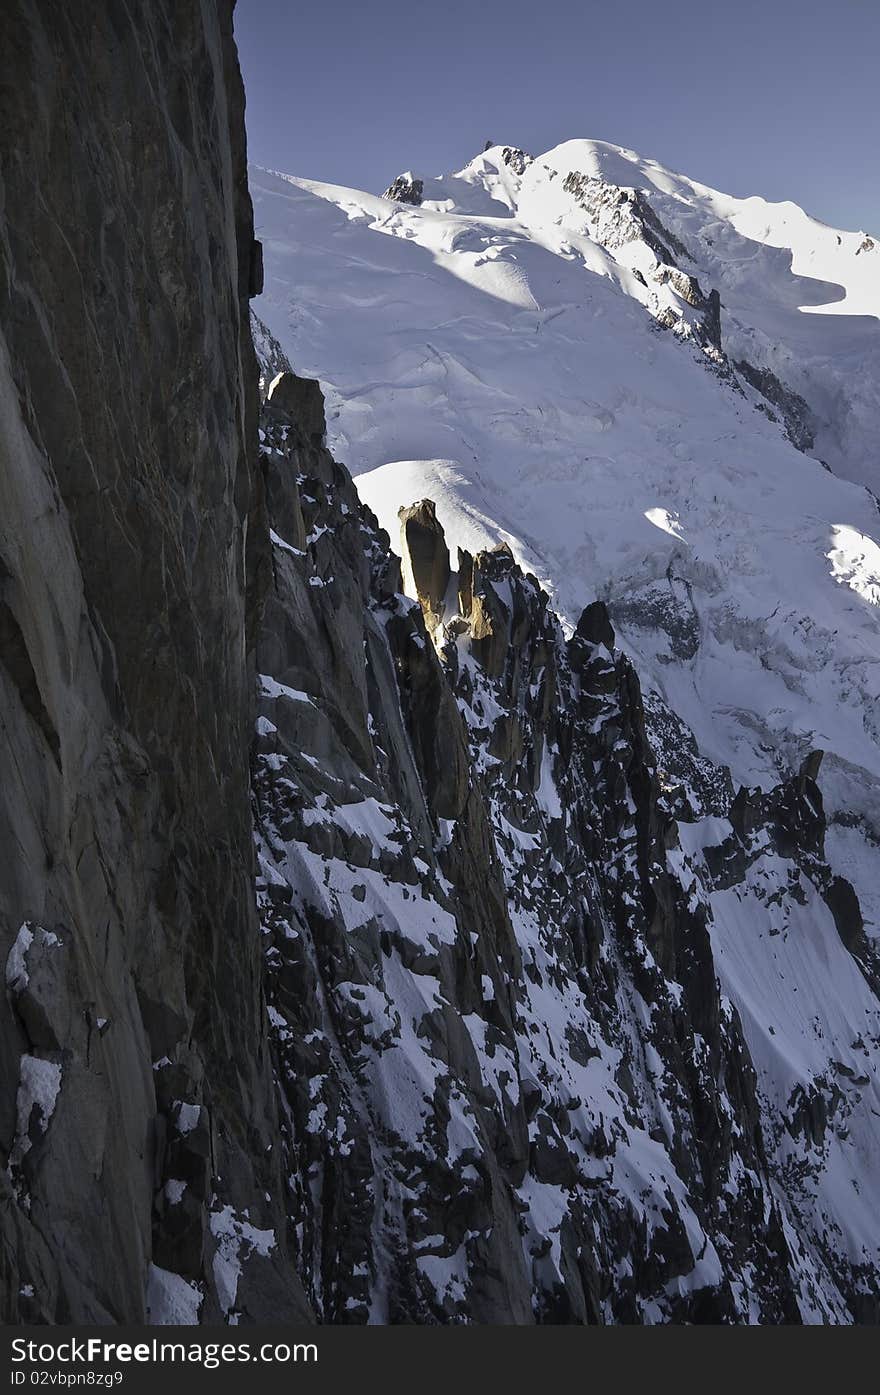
(358, 955)
(133, 551)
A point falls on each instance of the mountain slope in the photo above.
(530, 345)
(492, 943)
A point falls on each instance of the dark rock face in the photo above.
(255, 270)
(406, 189)
(595, 626)
(794, 411)
(712, 321)
(301, 399)
(137, 1112)
(271, 358)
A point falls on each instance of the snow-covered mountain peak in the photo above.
(519, 183)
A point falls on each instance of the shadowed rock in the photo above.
(303, 401)
(595, 626)
(134, 554)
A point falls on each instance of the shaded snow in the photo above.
(171, 1300)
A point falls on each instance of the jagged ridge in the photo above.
(493, 992)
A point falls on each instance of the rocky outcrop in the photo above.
(425, 557)
(623, 215)
(619, 217)
(516, 160)
(406, 188)
(138, 1116)
(789, 821)
(791, 407)
(300, 399)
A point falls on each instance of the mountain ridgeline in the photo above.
(506, 1060)
(378, 948)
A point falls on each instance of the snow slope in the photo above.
(799, 296)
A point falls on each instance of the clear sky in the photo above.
(772, 97)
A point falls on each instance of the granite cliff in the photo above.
(133, 555)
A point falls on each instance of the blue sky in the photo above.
(770, 97)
